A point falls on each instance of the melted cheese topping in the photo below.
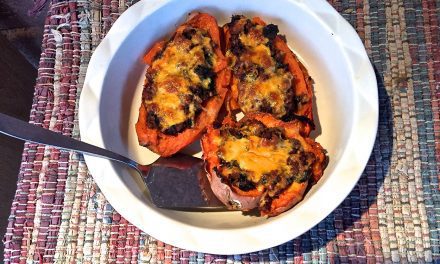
(255, 158)
(169, 105)
(270, 91)
(258, 52)
(175, 74)
(271, 86)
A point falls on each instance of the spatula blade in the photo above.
(180, 183)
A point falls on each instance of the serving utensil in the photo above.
(178, 182)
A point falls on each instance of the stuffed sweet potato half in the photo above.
(267, 76)
(261, 162)
(185, 86)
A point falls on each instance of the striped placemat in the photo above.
(392, 215)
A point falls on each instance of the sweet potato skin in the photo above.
(231, 196)
(167, 145)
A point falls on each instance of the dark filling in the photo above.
(291, 116)
(188, 33)
(236, 46)
(240, 180)
(246, 71)
(153, 120)
(204, 73)
(270, 31)
(160, 53)
(235, 18)
(279, 58)
(265, 107)
(177, 128)
(208, 55)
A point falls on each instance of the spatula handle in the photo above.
(22, 130)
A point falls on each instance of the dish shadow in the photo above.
(318, 130)
(362, 199)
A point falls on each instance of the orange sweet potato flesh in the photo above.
(302, 83)
(167, 145)
(249, 200)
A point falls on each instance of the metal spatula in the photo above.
(178, 182)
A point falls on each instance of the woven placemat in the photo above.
(392, 215)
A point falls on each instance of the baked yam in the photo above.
(261, 162)
(267, 76)
(185, 86)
